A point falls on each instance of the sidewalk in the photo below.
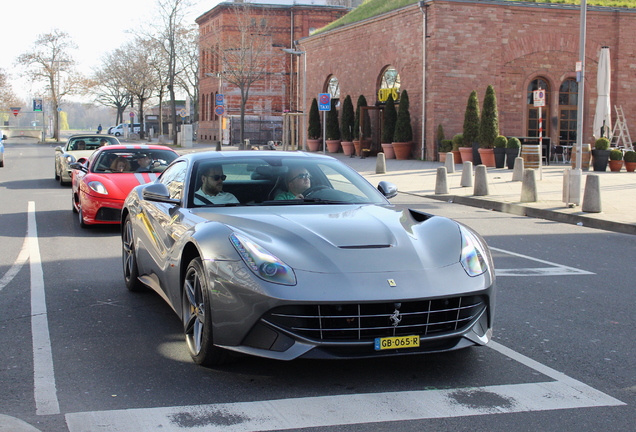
(617, 190)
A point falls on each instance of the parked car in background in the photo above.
(102, 182)
(333, 272)
(119, 129)
(78, 148)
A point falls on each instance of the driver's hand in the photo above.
(300, 196)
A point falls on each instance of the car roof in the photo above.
(136, 147)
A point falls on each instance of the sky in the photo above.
(96, 26)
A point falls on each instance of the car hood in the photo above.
(337, 238)
(119, 184)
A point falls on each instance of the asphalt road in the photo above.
(98, 357)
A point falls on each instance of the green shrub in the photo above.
(601, 144)
(314, 129)
(362, 102)
(347, 120)
(389, 119)
(630, 156)
(471, 120)
(403, 128)
(445, 146)
(439, 137)
(489, 123)
(458, 141)
(332, 126)
(513, 143)
(616, 155)
(500, 141)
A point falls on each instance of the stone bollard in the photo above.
(450, 163)
(441, 184)
(481, 181)
(380, 164)
(592, 194)
(529, 186)
(467, 174)
(517, 172)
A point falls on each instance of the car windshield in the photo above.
(89, 143)
(278, 181)
(133, 160)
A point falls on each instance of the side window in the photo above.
(174, 179)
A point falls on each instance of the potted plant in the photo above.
(488, 128)
(471, 130)
(458, 139)
(439, 136)
(630, 160)
(314, 127)
(362, 102)
(389, 119)
(500, 151)
(600, 154)
(444, 147)
(332, 129)
(512, 151)
(615, 160)
(346, 126)
(403, 137)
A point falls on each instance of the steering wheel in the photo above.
(312, 190)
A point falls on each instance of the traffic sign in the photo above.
(539, 98)
(219, 99)
(132, 115)
(324, 102)
(219, 110)
(182, 112)
(37, 105)
(15, 110)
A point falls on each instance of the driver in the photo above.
(211, 191)
(298, 181)
(144, 162)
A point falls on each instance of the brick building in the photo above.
(278, 91)
(515, 46)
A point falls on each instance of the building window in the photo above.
(333, 87)
(568, 105)
(389, 85)
(533, 112)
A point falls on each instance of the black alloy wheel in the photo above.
(129, 259)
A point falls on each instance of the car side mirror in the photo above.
(158, 192)
(59, 149)
(388, 189)
(78, 166)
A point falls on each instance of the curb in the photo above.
(521, 210)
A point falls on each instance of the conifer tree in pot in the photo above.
(488, 128)
(403, 136)
(471, 129)
(333, 129)
(366, 134)
(346, 126)
(389, 119)
(314, 127)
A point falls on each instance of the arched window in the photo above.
(568, 104)
(333, 87)
(389, 84)
(533, 112)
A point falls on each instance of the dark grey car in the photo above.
(336, 273)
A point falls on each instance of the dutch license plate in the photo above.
(396, 342)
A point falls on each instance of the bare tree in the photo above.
(51, 55)
(7, 97)
(244, 55)
(108, 87)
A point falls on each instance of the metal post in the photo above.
(304, 127)
(575, 176)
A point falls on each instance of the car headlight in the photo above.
(69, 158)
(262, 263)
(473, 256)
(98, 187)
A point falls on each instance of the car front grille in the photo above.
(366, 321)
(108, 214)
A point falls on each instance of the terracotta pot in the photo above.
(387, 148)
(402, 150)
(630, 166)
(487, 157)
(615, 165)
(313, 144)
(441, 157)
(347, 147)
(333, 146)
(357, 147)
(457, 157)
(466, 153)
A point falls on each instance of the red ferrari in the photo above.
(102, 183)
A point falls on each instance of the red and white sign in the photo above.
(539, 98)
(219, 110)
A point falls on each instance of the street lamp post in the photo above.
(304, 128)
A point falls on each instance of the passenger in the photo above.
(211, 191)
(81, 145)
(120, 164)
(298, 181)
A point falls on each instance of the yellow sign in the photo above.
(383, 94)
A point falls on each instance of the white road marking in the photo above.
(46, 402)
(553, 269)
(562, 393)
(23, 256)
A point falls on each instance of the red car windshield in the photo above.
(137, 160)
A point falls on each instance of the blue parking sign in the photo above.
(324, 102)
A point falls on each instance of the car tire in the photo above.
(197, 317)
(129, 259)
(73, 203)
(80, 216)
(62, 181)
(117, 134)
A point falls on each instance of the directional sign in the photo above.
(324, 102)
(219, 99)
(37, 105)
(219, 110)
